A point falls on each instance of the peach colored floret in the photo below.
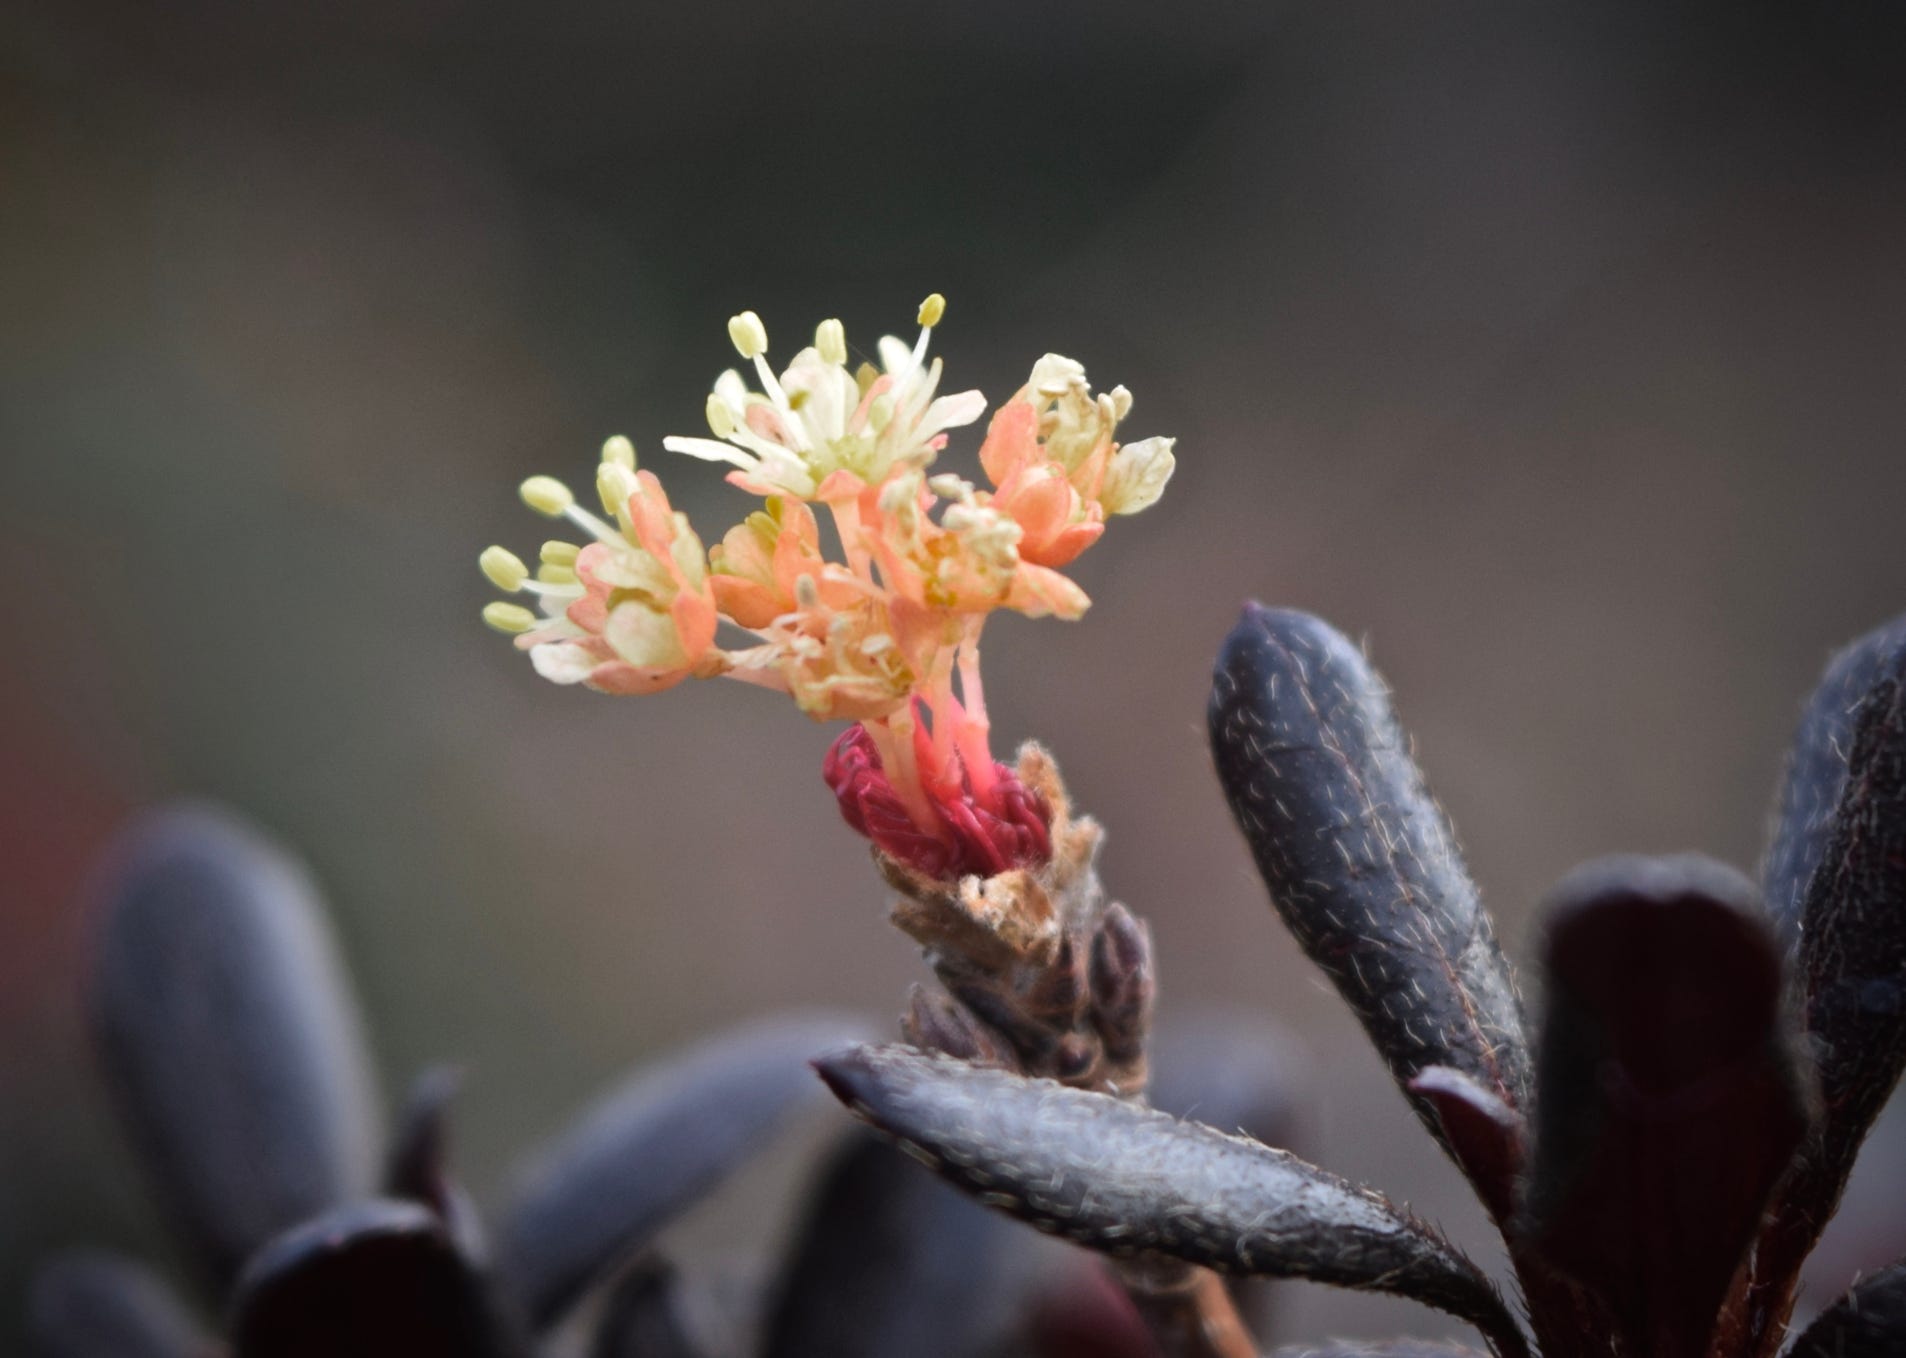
(886, 634)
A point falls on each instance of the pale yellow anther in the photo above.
(750, 337)
(620, 451)
(504, 568)
(880, 413)
(508, 617)
(555, 553)
(830, 341)
(932, 309)
(556, 575)
(615, 483)
(546, 495)
(721, 420)
(1121, 402)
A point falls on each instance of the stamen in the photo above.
(513, 618)
(721, 420)
(830, 341)
(547, 496)
(504, 568)
(796, 429)
(620, 451)
(932, 309)
(615, 483)
(556, 553)
(594, 526)
(950, 487)
(748, 335)
(555, 575)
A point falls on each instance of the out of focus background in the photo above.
(1559, 351)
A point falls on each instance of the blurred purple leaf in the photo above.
(1129, 1180)
(1382, 1348)
(649, 1150)
(98, 1305)
(889, 1260)
(1868, 1322)
(1359, 859)
(1670, 1102)
(648, 1315)
(1236, 1072)
(1082, 1311)
(418, 1164)
(377, 1279)
(1810, 793)
(229, 1036)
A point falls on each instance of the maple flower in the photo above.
(886, 636)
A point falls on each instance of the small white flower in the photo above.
(816, 418)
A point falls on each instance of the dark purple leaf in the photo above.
(1237, 1073)
(648, 1151)
(96, 1305)
(651, 1314)
(228, 1033)
(1487, 1137)
(377, 1279)
(1806, 812)
(1380, 1348)
(934, 1021)
(889, 1260)
(1670, 1101)
(418, 1167)
(1868, 1322)
(1127, 1180)
(1850, 963)
(1359, 859)
(1852, 958)
(1123, 984)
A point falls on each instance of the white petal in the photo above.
(687, 552)
(1137, 475)
(708, 450)
(1054, 373)
(950, 412)
(633, 568)
(895, 356)
(562, 662)
(642, 636)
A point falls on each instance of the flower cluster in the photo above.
(888, 635)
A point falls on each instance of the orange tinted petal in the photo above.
(1012, 441)
(748, 603)
(625, 680)
(1064, 547)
